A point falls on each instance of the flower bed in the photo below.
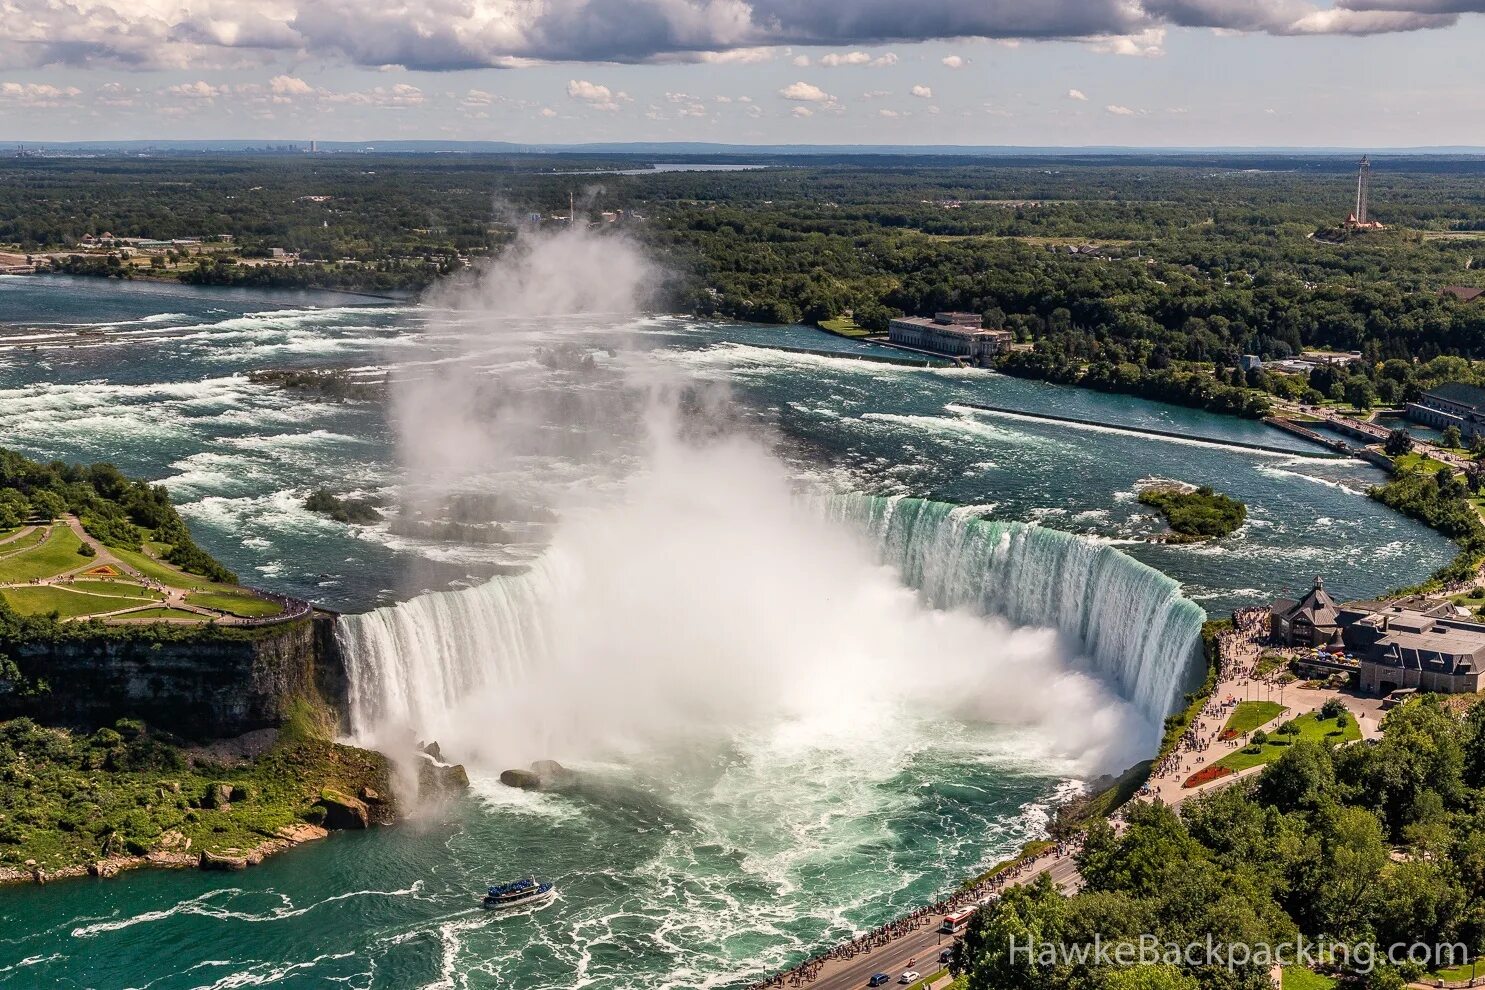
(1206, 775)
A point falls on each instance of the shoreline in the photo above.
(232, 860)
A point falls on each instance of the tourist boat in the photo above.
(520, 893)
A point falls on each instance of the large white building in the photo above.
(957, 335)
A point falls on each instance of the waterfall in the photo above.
(1131, 621)
(413, 662)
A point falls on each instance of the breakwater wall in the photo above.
(925, 361)
(1152, 432)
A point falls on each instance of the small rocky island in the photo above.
(1194, 513)
(153, 711)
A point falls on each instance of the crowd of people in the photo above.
(918, 919)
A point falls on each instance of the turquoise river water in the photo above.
(813, 668)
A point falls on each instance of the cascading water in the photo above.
(1130, 620)
(412, 663)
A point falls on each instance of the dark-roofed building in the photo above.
(1421, 643)
(1311, 621)
(1426, 644)
(1464, 293)
(1451, 404)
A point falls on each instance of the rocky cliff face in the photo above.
(210, 686)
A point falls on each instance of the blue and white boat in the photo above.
(520, 893)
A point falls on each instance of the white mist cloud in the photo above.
(691, 593)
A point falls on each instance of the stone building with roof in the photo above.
(1451, 404)
(1427, 644)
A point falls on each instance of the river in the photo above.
(701, 856)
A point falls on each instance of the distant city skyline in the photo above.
(1152, 73)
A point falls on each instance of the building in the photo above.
(1249, 362)
(1419, 643)
(958, 335)
(1451, 404)
(1426, 644)
(1311, 621)
(1464, 293)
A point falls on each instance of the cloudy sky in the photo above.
(1356, 73)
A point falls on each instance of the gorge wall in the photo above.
(210, 684)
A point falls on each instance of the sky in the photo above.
(1146, 73)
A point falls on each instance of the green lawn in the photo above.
(125, 589)
(1311, 728)
(240, 604)
(165, 613)
(1299, 978)
(1417, 462)
(45, 599)
(1249, 715)
(59, 553)
(29, 540)
(167, 574)
(844, 325)
(1458, 974)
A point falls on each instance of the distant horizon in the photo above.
(394, 145)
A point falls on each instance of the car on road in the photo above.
(879, 979)
(910, 976)
(946, 956)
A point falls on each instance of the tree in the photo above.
(1452, 438)
(1399, 442)
(1360, 392)
(48, 505)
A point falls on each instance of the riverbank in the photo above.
(131, 796)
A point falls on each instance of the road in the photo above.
(924, 944)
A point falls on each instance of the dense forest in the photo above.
(1130, 274)
(1358, 846)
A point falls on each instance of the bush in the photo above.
(1334, 708)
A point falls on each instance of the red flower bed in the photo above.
(1206, 775)
(1227, 735)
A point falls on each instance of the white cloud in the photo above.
(590, 92)
(875, 94)
(922, 92)
(837, 59)
(198, 90)
(1119, 111)
(740, 56)
(802, 112)
(548, 112)
(884, 112)
(804, 92)
(597, 96)
(38, 94)
(1077, 94)
(802, 61)
(954, 61)
(289, 86)
(1146, 44)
